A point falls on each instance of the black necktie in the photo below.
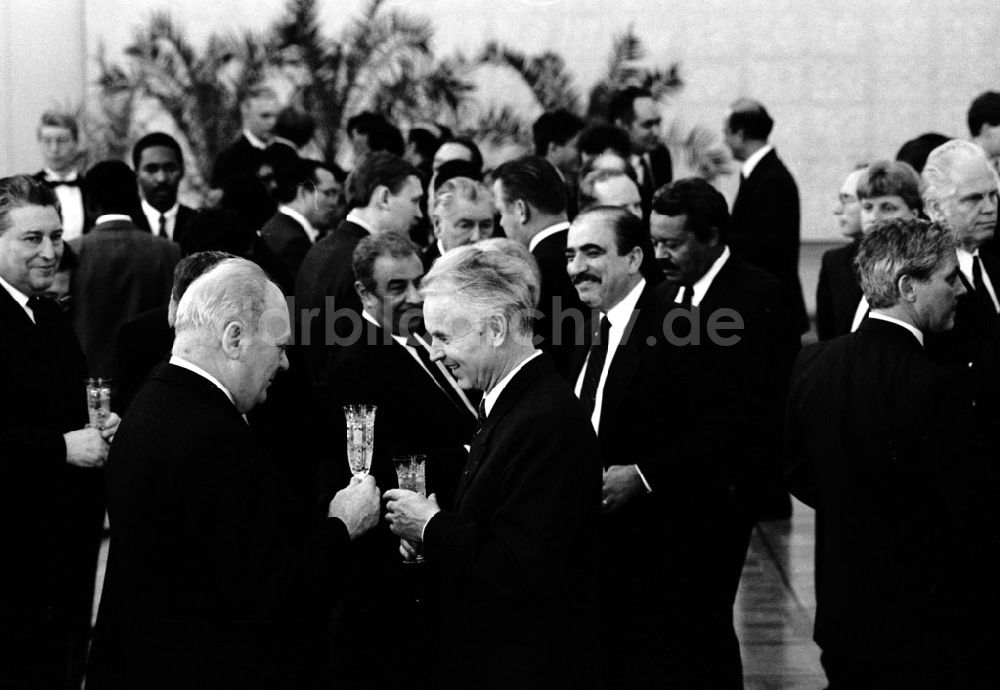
(34, 304)
(978, 285)
(163, 225)
(480, 416)
(595, 365)
(440, 378)
(52, 182)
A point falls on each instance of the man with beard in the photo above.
(159, 167)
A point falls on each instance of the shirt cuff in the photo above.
(649, 489)
(424, 530)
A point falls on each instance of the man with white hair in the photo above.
(516, 551)
(462, 214)
(611, 188)
(217, 577)
(960, 192)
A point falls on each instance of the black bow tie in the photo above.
(63, 183)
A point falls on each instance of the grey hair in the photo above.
(233, 290)
(899, 247)
(588, 193)
(518, 251)
(938, 182)
(488, 282)
(459, 188)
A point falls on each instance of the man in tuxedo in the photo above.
(244, 157)
(218, 576)
(59, 140)
(309, 195)
(960, 192)
(689, 225)
(880, 443)
(422, 410)
(463, 214)
(766, 210)
(529, 195)
(838, 292)
(384, 194)
(515, 553)
(122, 272)
(653, 481)
(159, 167)
(50, 458)
(634, 110)
(556, 135)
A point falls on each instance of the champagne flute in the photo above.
(360, 437)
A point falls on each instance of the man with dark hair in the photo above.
(159, 167)
(689, 225)
(556, 135)
(123, 270)
(600, 139)
(532, 205)
(370, 132)
(634, 110)
(50, 498)
(422, 142)
(880, 443)
(984, 124)
(631, 390)
(765, 228)
(245, 155)
(59, 140)
(384, 194)
(916, 150)
(461, 149)
(309, 194)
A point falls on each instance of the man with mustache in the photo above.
(159, 167)
(657, 474)
(960, 192)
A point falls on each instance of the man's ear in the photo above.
(497, 326)
(436, 224)
(232, 339)
(635, 256)
(363, 292)
(906, 288)
(934, 211)
(714, 240)
(523, 211)
(380, 197)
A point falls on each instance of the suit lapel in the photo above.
(625, 360)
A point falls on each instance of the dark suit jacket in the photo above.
(557, 296)
(123, 272)
(217, 573)
(185, 214)
(88, 220)
(838, 292)
(514, 557)
(879, 443)
(429, 255)
(975, 320)
(41, 496)
(658, 173)
(288, 240)
(143, 343)
(765, 229)
(240, 158)
(327, 272)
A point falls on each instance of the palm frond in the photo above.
(545, 74)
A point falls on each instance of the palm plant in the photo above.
(545, 74)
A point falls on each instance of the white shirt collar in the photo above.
(110, 217)
(750, 163)
(622, 312)
(546, 233)
(965, 259)
(355, 217)
(490, 399)
(891, 319)
(371, 319)
(184, 364)
(152, 212)
(701, 287)
(19, 297)
(254, 140)
(52, 176)
(301, 220)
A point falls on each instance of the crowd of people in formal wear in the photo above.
(602, 365)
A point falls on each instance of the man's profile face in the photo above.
(264, 353)
(619, 191)
(31, 248)
(876, 208)
(510, 220)
(601, 275)
(683, 259)
(644, 129)
(59, 147)
(324, 201)
(937, 297)
(159, 176)
(971, 212)
(396, 303)
(566, 156)
(848, 208)
(404, 207)
(460, 341)
(451, 151)
(259, 116)
(466, 222)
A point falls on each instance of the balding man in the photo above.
(960, 192)
(217, 577)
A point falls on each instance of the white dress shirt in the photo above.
(153, 218)
(312, 232)
(891, 319)
(751, 162)
(19, 297)
(700, 288)
(70, 201)
(965, 260)
(546, 233)
(859, 314)
(257, 143)
(355, 217)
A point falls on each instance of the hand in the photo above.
(408, 512)
(408, 551)
(357, 505)
(110, 427)
(86, 448)
(621, 484)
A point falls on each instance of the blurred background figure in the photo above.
(159, 167)
(245, 155)
(59, 141)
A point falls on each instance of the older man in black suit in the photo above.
(880, 443)
(766, 210)
(653, 480)
(217, 575)
(837, 291)
(515, 553)
(47, 505)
